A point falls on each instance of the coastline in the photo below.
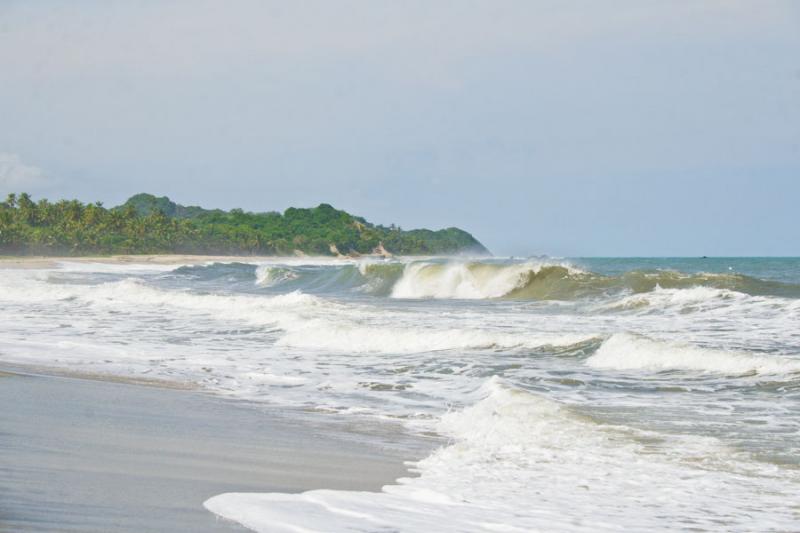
(44, 261)
(97, 455)
(48, 261)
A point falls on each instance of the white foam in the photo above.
(354, 338)
(701, 299)
(665, 299)
(520, 462)
(333, 327)
(134, 292)
(273, 379)
(625, 351)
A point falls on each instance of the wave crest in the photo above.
(626, 351)
(477, 280)
(270, 275)
(529, 280)
(562, 281)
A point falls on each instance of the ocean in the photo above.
(583, 394)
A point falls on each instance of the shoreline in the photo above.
(46, 261)
(12, 369)
(51, 261)
(90, 454)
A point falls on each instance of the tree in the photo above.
(71, 227)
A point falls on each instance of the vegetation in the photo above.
(146, 224)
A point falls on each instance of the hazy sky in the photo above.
(561, 127)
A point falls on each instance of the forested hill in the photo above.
(147, 224)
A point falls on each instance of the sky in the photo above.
(569, 128)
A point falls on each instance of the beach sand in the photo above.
(88, 455)
(24, 262)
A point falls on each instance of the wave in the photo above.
(380, 278)
(112, 267)
(479, 280)
(306, 321)
(626, 351)
(131, 293)
(376, 278)
(529, 280)
(518, 461)
(681, 299)
(269, 275)
(230, 272)
(329, 335)
(645, 281)
(562, 281)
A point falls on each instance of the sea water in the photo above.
(572, 394)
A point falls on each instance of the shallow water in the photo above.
(576, 394)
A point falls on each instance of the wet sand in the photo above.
(91, 456)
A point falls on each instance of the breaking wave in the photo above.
(305, 320)
(548, 281)
(529, 280)
(626, 351)
(682, 299)
(480, 280)
(268, 275)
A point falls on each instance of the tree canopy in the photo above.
(146, 224)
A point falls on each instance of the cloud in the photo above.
(17, 176)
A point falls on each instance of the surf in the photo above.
(512, 458)
(626, 351)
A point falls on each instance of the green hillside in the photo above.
(146, 224)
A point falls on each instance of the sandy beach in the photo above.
(14, 261)
(100, 456)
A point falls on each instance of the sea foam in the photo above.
(625, 351)
(514, 456)
(348, 337)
